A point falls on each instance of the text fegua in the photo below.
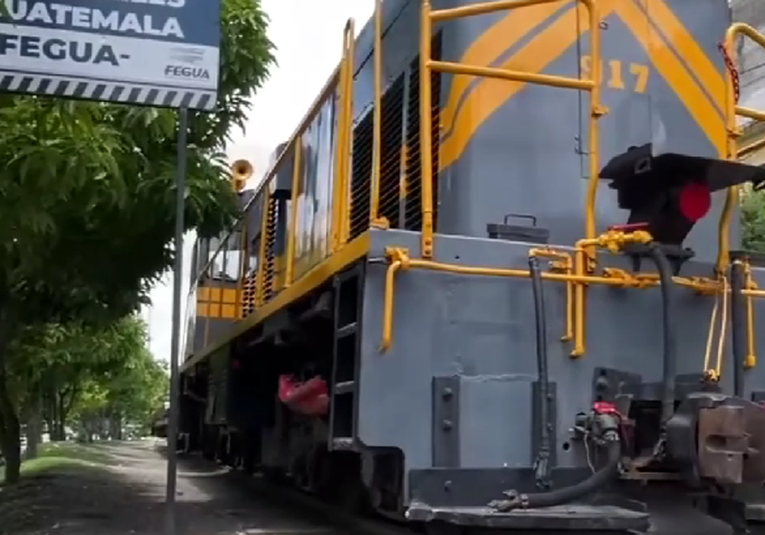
(93, 18)
(56, 49)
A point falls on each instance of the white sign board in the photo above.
(161, 53)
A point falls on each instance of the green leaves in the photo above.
(87, 205)
(753, 220)
(87, 193)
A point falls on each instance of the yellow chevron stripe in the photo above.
(689, 50)
(488, 95)
(676, 76)
(492, 43)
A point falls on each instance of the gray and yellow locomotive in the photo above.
(493, 280)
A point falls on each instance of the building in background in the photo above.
(751, 62)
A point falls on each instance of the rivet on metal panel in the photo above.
(445, 434)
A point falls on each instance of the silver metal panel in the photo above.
(482, 330)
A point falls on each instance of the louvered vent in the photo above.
(413, 211)
(269, 267)
(400, 162)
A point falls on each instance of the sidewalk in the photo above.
(124, 494)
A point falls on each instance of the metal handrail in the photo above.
(374, 197)
(334, 82)
(428, 17)
(732, 111)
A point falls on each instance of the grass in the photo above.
(61, 455)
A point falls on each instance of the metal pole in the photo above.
(172, 425)
(738, 325)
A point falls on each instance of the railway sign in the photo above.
(162, 53)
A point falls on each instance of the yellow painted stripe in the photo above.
(492, 43)
(689, 50)
(676, 76)
(489, 94)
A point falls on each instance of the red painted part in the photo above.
(629, 227)
(604, 407)
(695, 201)
(309, 398)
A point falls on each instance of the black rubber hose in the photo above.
(543, 375)
(738, 326)
(669, 336)
(567, 494)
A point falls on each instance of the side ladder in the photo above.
(346, 349)
(428, 17)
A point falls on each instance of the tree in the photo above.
(753, 220)
(87, 200)
(129, 390)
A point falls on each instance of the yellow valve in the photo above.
(613, 241)
(711, 376)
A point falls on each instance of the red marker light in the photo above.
(694, 201)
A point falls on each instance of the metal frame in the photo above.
(428, 17)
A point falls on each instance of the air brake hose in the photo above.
(668, 332)
(542, 463)
(566, 494)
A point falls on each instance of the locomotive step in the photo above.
(574, 517)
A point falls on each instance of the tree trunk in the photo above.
(115, 427)
(54, 416)
(61, 420)
(34, 428)
(11, 448)
(10, 433)
(10, 427)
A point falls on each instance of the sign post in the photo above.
(159, 53)
(175, 349)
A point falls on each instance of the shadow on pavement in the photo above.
(128, 497)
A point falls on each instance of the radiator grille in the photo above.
(413, 210)
(269, 262)
(400, 195)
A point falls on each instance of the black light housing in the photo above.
(667, 194)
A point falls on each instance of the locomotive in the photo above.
(466, 292)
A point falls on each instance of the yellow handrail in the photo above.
(241, 276)
(750, 361)
(292, 229)
(350, 55)
(398, 259)
(733, 110)
(259, 289)
(374, 198)
(427, 64)
(340, 211)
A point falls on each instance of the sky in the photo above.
(308, 39)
